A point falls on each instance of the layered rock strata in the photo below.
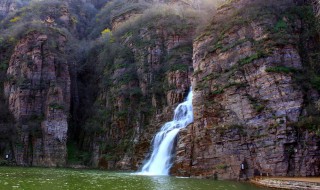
(247, 101)
(38, 89)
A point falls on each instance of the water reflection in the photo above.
(160, 182)
(176, 183)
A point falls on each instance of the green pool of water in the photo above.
(63, 179)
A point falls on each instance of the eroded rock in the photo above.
(38, 89)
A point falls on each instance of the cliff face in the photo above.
(248, 101)
(7, 6)
(38, 92)
(146, 79)
(253, 71)
(36, 57)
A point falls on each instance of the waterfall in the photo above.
(160, 161)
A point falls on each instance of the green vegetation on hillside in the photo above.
(121, 56)
(123, 62)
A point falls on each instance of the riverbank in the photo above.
(299, 183)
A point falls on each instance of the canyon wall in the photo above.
(250, 101)
(253, 70)
(37, 67)
(38, 92)
(147, 77)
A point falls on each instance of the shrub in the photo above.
(56, 106)
(4, 163)
(178, 67)
(258, 105)
(251, 58)
(315, 81)
(311, 123)
(222, 166)
(281, 25)
(106, 31)
(15, 19)
(77, 156)
(3, 66)
(281, 69)
(219, 91)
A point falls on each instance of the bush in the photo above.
(15, 19)
(311, 123)
(281, 69)
(315, 81)
(4, 66)
(77, 156)
(281, 25)
(56, 106)
(222, 166)
(4, 163)
(251, 58)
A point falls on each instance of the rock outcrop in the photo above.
(38, 89)
(7, 6)
(161, 103)
(146, 81)
(247, 101)
(121, 19)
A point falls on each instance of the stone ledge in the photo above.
(283, 183)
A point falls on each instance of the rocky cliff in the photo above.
(145, 75)
(39, 51)
(249, 102)
(7, 6)
(101, 99)
(38, 92)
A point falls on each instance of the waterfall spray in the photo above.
(160, 161)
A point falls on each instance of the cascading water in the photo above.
(160, 161)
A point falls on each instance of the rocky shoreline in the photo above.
(288, 183)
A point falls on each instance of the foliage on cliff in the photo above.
(132, 63)
(57, 21)
(284, 29)
(125, 60)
